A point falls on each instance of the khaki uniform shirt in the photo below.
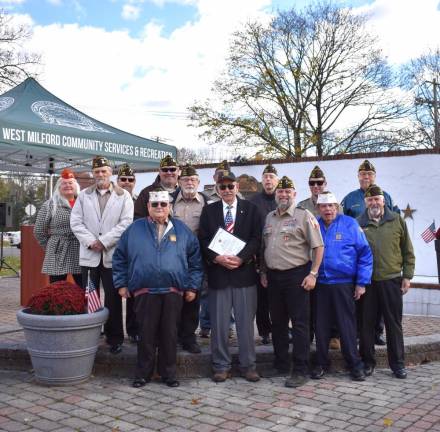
(189, 211)
(289, 238)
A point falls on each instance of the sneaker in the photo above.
(357, 375)
(368, 370)
(204, 333)
(317, 373)
(400, 373)
(379, 340)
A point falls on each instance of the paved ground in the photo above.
(382, 403)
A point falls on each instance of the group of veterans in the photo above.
(313, 270)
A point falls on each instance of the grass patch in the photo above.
(14, 262)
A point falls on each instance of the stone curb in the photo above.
(14, 356)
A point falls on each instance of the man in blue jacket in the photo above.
(158, 262)
(345, 270)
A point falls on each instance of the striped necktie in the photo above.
(229, 222)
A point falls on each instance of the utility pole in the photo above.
(434, 104)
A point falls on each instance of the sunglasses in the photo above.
(168, 170)
(157, 204)
(126, 179)
(316, 182)
(229, 186)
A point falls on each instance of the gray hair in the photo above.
(57, 199)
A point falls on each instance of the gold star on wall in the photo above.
(408, 212)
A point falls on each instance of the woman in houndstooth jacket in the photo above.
(52, 231)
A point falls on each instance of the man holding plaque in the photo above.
(231, 275)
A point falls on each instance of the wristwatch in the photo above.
(314, 274)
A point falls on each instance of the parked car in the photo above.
(15, 238)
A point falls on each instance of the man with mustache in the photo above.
(100, 215)
(290, 237)
(393, 268)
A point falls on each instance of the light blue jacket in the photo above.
(347, 254)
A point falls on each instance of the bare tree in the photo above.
(16, 63)
(312, 81)
(419, 77)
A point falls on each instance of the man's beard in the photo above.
(102, 182)
(283, 205)
(375, 211)
(189, 192)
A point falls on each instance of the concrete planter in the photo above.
(62, 347)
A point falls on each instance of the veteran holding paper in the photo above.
(231, 278)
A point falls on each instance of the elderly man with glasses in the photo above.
(166, 180)
(158, 263)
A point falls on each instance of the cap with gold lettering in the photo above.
(373, 190)
(99, 162)
(125, 170)
(317, 173)
(366, 165)
(168, 161)
(270, 169)
(285, 183)
(226, 175)
(188, 171)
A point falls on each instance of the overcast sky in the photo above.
(137, 64)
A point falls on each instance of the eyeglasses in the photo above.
(157, 204)
(316, 182)
(126, 179)
(169, 170)
(229, 186)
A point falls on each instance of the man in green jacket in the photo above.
(393, 268)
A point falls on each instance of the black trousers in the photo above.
(335, 306)
(77, 277)
(264, 324)
(385, 297)
(379, 325)
(157, 316)
(130, 318)
(288, 300)
(113, 328)
(189, 321)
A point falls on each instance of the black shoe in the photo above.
(192, 348)
(115, 349)
(296, 380)
(379, 340)
(317, 373)
(140, 382)
(265, 339)
(171, 382)
(368, 370)
(400, 373)
(134, 339)
(357, 375)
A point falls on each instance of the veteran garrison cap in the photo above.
(223, 165)
(125, 170)
(317, 173)
(168, 161)
(285, 183)
(373, 190)
(270, 169)
(226, 175)
(366, 165)
(188, 171)
(99, 162)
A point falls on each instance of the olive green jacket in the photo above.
(393, 253)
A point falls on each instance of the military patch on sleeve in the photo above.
(312, 221)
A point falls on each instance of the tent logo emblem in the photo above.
(6, 102)
(61, 115)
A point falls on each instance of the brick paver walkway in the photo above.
(382, 403)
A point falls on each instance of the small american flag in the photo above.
(429, 234)
(229, 222)
(93, 300)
